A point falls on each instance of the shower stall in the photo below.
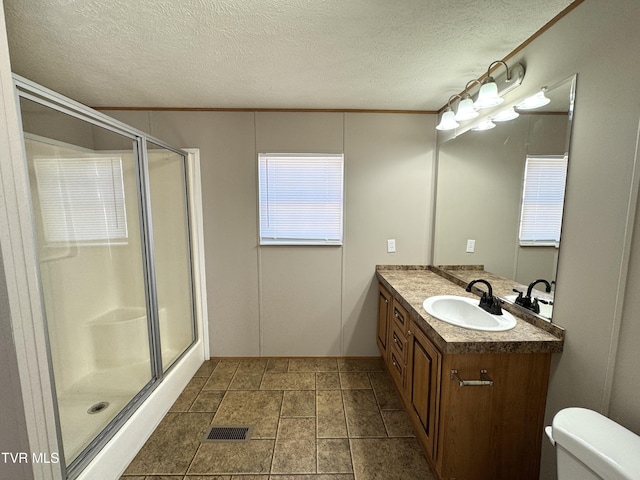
(111, 221)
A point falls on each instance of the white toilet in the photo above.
(592, 447)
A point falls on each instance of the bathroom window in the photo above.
(545, 178)
(81, 200)
(300, 198)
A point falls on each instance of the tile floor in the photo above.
(313, 418)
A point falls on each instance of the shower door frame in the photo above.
(46, 406)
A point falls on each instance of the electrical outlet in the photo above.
(391, 245)
(471, 246)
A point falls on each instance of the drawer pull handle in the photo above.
(485, 380)
(398, 316)
(397, 341)
(396, 364)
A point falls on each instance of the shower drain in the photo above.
(97, 408)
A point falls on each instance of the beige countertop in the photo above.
(411, 285)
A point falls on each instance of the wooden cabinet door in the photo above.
(424, 367)
(384, 309)
(466, 420)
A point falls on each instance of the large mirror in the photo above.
(479, 202)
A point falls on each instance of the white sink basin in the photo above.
(465, 312)
(545, 309)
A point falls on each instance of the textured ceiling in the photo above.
(301, 54)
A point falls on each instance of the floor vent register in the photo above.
(228, 433)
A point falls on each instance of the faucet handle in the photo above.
(520, 299)
(535, 306)
(484, 299)
(494, 307)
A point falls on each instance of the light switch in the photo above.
(391, 245)
(471, 246)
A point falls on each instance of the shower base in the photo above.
(116, 386)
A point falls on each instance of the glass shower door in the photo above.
(171, 251)
(85, 195)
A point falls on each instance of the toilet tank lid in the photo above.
(609, 449)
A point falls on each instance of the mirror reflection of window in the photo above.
(545, 177)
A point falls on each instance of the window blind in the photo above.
(81, 199)
(543, 200)
(301, 198)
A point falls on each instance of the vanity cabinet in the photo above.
(477, 415)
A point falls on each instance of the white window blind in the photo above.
(545, 178)
(300, 198)
(81, 199)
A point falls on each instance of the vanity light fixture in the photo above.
(535, 101)
(486, 124)
(505, 115)
(489, 95)
(465, 105)
(448, 120)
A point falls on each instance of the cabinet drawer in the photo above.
(400, 317)
(399, 342)
(396, 367)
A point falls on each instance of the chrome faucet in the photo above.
(488, 302)
(528, 302)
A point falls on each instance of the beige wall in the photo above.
(279, 300)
